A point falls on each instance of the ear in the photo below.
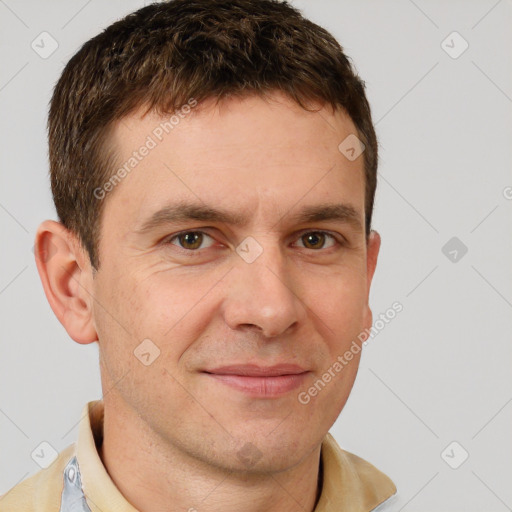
(372, 253)
(67, 278)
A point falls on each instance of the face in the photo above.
(247, 286)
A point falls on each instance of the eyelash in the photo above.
(338, 239)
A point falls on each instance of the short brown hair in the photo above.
(166, 53)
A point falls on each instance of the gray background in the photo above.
(441, 370)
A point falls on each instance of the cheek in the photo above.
(171, 310)
(339, 301)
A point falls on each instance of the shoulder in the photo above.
(40, 492)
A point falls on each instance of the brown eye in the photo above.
(190, 240)
(316, 240)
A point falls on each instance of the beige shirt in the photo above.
(77, 481)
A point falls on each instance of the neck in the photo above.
(153, 476)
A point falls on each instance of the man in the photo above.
(213, 166)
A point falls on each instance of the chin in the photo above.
(268, 454)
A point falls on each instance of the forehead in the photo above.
(248, 154)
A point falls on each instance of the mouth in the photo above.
(260, 381)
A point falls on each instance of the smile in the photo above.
(260, 381)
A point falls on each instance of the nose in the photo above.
(261, 296)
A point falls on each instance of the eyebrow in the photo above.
(183, 211)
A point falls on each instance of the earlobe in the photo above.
(66, 276)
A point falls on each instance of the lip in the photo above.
(260, 381)
(254, 370)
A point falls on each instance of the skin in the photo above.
(264, 159)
